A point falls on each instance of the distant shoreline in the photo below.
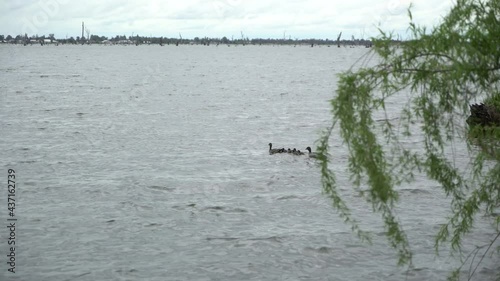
(346, 45)
(138, 40)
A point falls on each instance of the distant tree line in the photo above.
(137, 40)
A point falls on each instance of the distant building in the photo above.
(125, 42)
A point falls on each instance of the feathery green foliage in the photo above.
(444, 70)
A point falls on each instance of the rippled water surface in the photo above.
(151, 163)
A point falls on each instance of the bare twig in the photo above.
(489, 246)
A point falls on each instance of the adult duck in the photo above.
(311, 154)
(274, 150)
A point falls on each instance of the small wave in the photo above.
(217, 208)
(277, 239)
(288, 197)
(162, 188)
(419, 268)
(354, 246)
(126, 271)
(320, 250)
(387, 119)
(59, 75)
(237, 210)
(77, 276)
(415, 191)
(227, 210)
(222, 238)
(177, 207)
(270, 238)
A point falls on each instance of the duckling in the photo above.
(274, 150)
(298, 152)
(311, 154)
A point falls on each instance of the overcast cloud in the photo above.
(216, 18)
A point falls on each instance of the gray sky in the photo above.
(216, 18)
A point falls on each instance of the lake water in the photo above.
(151, 163)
